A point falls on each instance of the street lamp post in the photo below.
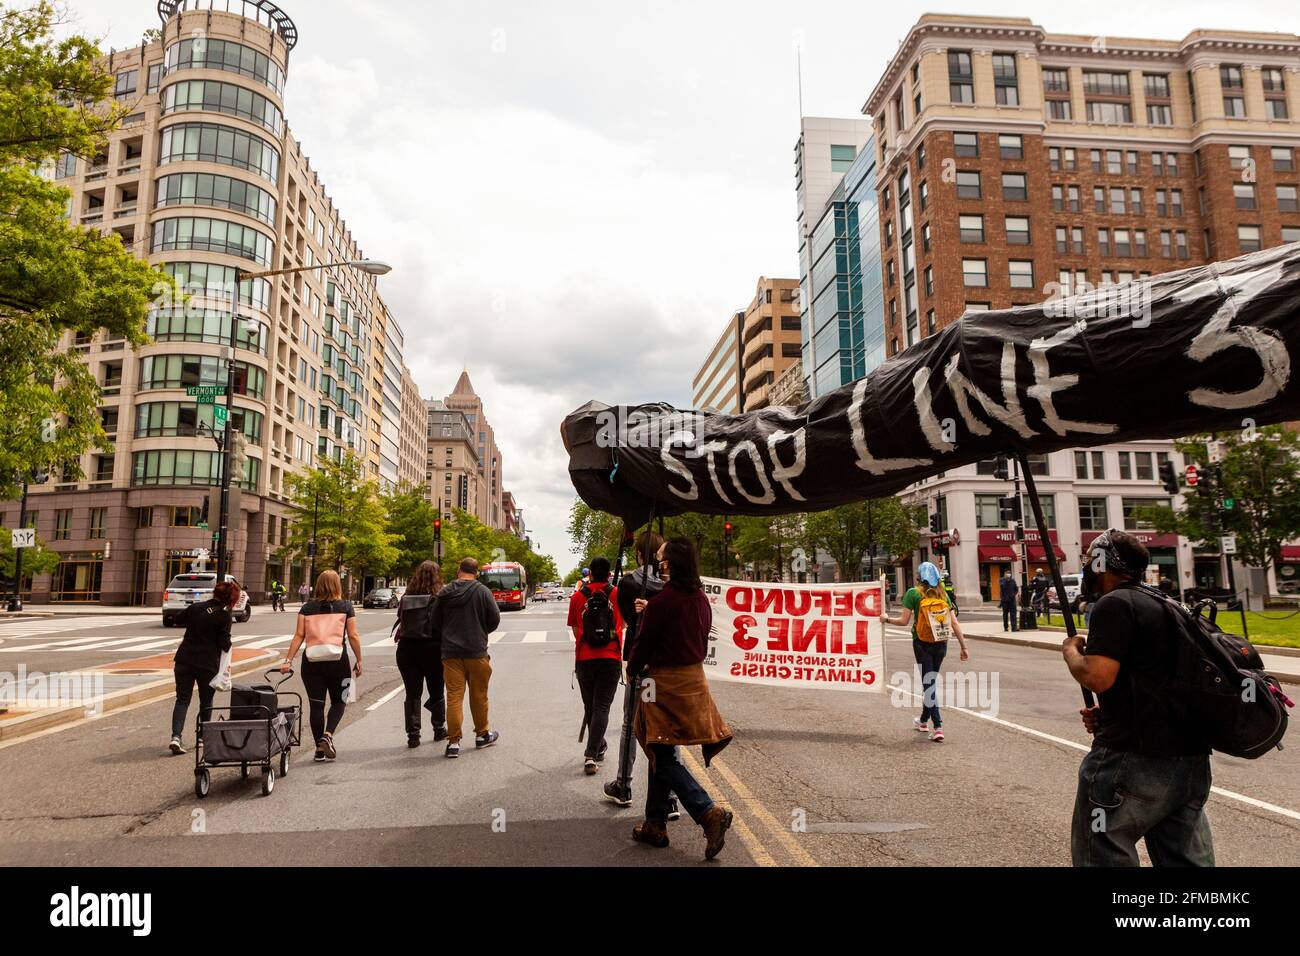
(368, 266)
(16, 602)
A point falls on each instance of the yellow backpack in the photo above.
(933, 620)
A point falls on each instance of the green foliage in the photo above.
(352, 533)
(848, 533)
(37, 560)
(54, 276)
(467, 537)
(410, 521)
(1262, 474)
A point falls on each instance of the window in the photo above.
(1094, 160)
(1140, 242)
(208, 142)
(929, 320)
(1117, 200)
(62, 524)
(207, 189)
(1122, 245)
(1160, 114)
(1234, 101)
(1157, 167)
(1238, 156)
(213, 235)
(1011, 146)
(1017, 230)
(925, 236)
(1015, 186)
(1131, 506)
(1090, 464)
(65, 166)
(125, 83)
(1286, 198)
(98, 519)
(1135, 201)
(1104, 111)
(155, 77)
(227, 55)
(1114, 162)
(1125, 465)
(213, 96)
(929, 281)
(1244, 194)
(1171, 164)
(971, 228)
(185, 516)
(1106, 84)
(987, 512)
(1156, 85)
(977, 307)
(1092, 514)
(1248, 238)
(1006, 90)
(1021, 273)
(920, 150)
(961, 79)
(143, 517)
(974, 272)
(1059, 110)
(1103, 242)
(968, 184)
(842, 158)
(1283, 161)
(965, 144)
(1058, 198)
(1056, 80)
(104, 467)
(1072, 199)
(1180, 243)
(1291, 233)
(1099, 198)
(1166, 243)
(923, 191)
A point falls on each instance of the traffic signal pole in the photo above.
(223, 518)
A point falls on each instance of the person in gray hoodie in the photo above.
(465, 614)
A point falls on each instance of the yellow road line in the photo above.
(783, 834)
(738, 824)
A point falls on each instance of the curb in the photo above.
(19, 727)
(1056, 646)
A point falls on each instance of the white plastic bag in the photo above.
(222, 680)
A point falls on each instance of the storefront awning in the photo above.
(1291, 553)
(990, 554)
(1036, 553)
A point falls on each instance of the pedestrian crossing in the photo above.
(142, 643)
(33, 627)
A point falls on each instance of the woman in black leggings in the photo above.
(323, 625)
(419, 653)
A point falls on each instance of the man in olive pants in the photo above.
(464, 614)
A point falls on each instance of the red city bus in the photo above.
(508, 583)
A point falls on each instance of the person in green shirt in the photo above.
(929, 654)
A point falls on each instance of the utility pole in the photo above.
(16, 602)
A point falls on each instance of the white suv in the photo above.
(196, 586)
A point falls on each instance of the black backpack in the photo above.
(413, 617)
(597, 617)
(1219, 684)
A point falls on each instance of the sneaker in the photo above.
(487, 739)
(600, 757)
(412, 740)
(453, 750)
(937, 735)
(176, 746)
(616, 794)
(674, 813)
(922, 725)
(589, 767)
(327, 746)
(440, 732)
(320, 754)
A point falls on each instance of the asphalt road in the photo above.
(827, 777)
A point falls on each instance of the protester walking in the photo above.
(675, 707)
(327, 625)
(1007, 600)
(1147, 776)
(643, 583)
(464, 614)
(419, 653)
(198, 659)
(935, 622)
(597, 627)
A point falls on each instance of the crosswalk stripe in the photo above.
(31, 628)
(496, 636)
(535, 637)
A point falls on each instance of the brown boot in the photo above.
(715, 825)
(651, 832)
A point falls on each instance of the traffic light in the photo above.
(437, 528)
(1009, 508)
(1001, 468)
(726, 530)
(1168, 478)
(935, 527)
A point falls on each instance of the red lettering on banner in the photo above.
(769, 601)
(859, 646)
(797, 603)
(778, 631)
(868, 602)
(741, 636)
(837, 637)
(823, 601)
(804, 634)
(844, 603)
(740, 599)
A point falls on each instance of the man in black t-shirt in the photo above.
(1147, 776)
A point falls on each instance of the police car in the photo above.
(196, 586)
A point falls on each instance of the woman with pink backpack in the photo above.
(326, 625)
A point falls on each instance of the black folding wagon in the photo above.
(259, 728)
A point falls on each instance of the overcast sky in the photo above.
(575, 195)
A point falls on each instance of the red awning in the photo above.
(996, 555)
(1291, 553)
(1036, 552)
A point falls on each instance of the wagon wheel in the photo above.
(268, 781)
(243, 770)
(202, 783)
(284, 762)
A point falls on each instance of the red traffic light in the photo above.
(437, 524)
(727, 527)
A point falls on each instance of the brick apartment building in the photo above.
(755, 348)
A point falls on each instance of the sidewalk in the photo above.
(105, 610)
(1282, 662)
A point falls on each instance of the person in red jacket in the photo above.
(597, 629)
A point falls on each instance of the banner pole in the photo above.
(1049, 550)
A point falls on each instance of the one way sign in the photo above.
(23, 538)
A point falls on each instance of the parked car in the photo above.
(1072, 584)
(196, 586)
(381, 597)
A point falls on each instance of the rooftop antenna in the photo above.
(798, 67)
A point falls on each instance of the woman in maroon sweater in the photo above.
(675, 707)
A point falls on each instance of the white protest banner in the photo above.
(813, 636)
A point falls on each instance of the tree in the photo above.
(878, 527)
(410, 520)
(1261, 474)
(54, 276)
(352, 533)
(37, 560)
(467, 537)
